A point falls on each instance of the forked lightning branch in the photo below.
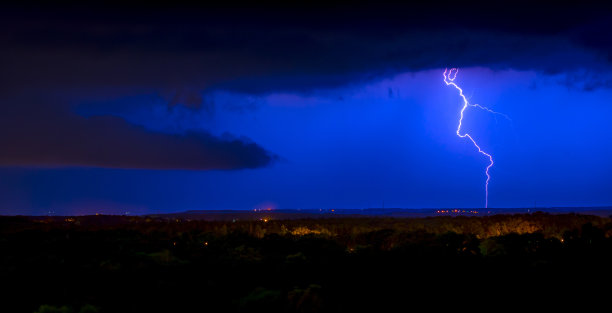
(449, 79)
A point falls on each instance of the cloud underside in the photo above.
(110, 142)
(293, 48)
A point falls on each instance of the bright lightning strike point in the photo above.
(449, 80)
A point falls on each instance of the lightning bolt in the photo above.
(449, 80)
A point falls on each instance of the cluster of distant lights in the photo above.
(455, 211)
(261, 210)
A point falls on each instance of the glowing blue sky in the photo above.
(389, 140)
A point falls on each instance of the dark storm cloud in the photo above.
(260, 49)
(78, 52)
(586, 81)
(42, 135)
(191, 99)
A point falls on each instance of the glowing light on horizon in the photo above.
(449, 80)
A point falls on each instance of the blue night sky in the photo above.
(129, 117)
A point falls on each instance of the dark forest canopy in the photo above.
(139, 264)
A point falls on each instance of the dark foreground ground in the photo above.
(141, 264)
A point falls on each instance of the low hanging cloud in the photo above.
(42, 136)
